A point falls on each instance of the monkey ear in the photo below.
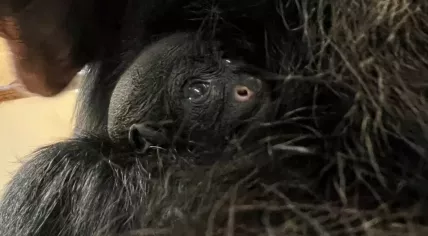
(145, 134)
(44, 48)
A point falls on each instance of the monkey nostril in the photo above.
(243, 93)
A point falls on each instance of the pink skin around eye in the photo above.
(243, 93)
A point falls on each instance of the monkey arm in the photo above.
(62, 191)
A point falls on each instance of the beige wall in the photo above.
(26, 124)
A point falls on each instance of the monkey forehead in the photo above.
(140, 90)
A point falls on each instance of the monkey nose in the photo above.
(247, 89)
(243, 93)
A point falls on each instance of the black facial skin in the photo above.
(206, 97)
(341, 117)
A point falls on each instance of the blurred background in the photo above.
(28, 121)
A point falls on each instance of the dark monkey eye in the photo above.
(197, 90)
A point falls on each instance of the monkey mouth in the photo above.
(246, 131)
(249, 129)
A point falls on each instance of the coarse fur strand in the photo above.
(365, 175)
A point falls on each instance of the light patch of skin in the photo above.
(34, 71)
(7, 70)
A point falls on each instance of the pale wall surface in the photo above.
(29, 123)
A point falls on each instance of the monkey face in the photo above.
(186, 80)
(215, 103)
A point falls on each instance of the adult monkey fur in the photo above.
(366, 172)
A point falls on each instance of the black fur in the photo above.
(242, 30)
(344, 152)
